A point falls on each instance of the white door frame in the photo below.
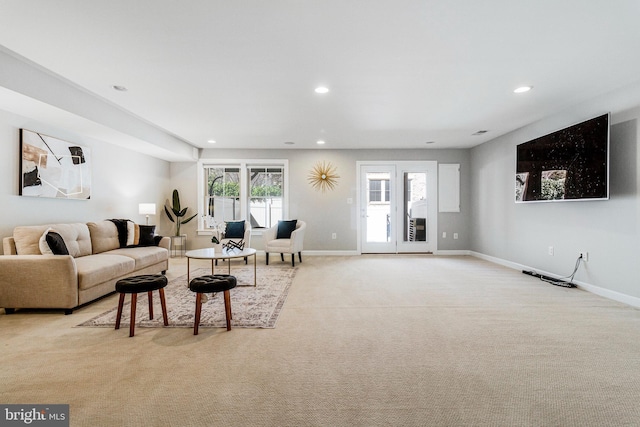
(428, 166)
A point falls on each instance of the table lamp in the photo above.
(147, 209)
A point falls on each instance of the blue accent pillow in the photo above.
(234, 230)
(285, 228)
(56, 243)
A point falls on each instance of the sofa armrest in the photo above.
(165, 242)
(297, 238)
(269, 234)
(9, 246)
(38, 281)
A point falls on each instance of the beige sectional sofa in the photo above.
(96, 261)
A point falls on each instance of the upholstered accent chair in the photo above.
(286, 237)
(236, 231)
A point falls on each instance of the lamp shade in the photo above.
(147, 208)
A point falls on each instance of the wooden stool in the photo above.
(136, 284)
(212, 283)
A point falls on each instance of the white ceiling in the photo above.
(400, 72)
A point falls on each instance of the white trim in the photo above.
(505, 263)
(607, 293)
(432, 192)
(318, 253)
(597, 290)
(330, 253)
(452, 252)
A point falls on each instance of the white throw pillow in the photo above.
(131, 233)
(44, 246)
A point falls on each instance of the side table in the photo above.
(178, 245)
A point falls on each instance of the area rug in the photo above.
(252, 307)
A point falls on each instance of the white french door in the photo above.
(397, 205)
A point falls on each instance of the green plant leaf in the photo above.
(166, 210)
(176, 201)
(187, 220)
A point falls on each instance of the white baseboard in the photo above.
(330, 253)
(606, 293)
(318, 253)
(504, 262)
(354, 253)
(452, 252)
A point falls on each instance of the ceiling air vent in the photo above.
(480, 132)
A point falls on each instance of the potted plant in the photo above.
(178, 212)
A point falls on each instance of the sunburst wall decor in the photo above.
(323, 176)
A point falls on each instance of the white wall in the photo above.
(521, 233)
(327, 213)
(121, 179)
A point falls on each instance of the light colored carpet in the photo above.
(361, 341)
(252, 307)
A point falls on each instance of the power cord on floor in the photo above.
(558, 281)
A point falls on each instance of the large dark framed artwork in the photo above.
(51, 167)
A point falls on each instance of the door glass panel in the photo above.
(378, 207)
(415, 207)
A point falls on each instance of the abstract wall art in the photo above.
(50, 167)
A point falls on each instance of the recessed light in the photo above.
(119, 88)
(523, 89)
(321, 89)
(320, 142)
(211, 141)
(430, 142)
(289, 143)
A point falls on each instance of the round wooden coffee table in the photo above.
(215, 254)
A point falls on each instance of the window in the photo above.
(375, 190)
(379, 190)
(223, 194)
(252, 190)
(265, 202)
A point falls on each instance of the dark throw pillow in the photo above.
(56, 243)
(121, 225)
(234, 230)
(147, 235)
(285, 228)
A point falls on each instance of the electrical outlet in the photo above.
(584, 255)
(455, 235)
(550, 250)
(334, 236)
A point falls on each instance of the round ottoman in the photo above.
(134, 285)
(212, 283)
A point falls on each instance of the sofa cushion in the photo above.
(76, 238)
(143, 256)
(96, 269)
(26, 241)
(104, 236)
(280, 244)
